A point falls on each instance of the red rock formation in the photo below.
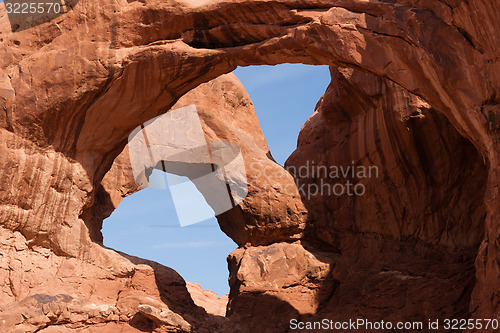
(73, 89)
(261, 218)
(410, 235)
(208, 299)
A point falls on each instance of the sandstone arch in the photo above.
(73, 89)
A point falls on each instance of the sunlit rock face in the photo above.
(421, 242)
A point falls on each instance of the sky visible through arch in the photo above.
(145, 224)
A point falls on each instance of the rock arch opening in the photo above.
(290, 78)
(365, 121)
(284, 97)
(146, 224)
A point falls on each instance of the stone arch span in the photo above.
(74, 88)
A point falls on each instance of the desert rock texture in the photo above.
(414, 93)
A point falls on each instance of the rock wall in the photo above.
(72, 89)
(410, 232)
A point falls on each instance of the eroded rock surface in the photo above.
(410, 234)
(208, 299)
(41, 289)
(266, 215)
(287, 280)
(73, 89)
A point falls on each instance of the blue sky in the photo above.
(146, 224)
